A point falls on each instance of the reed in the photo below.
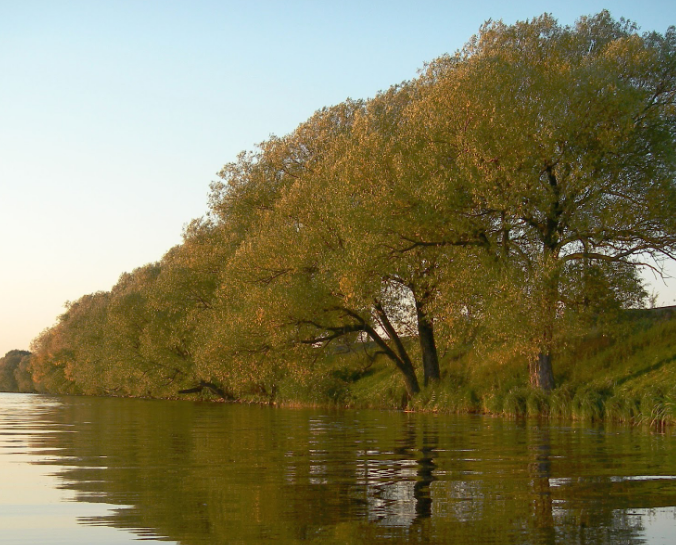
(514, 402)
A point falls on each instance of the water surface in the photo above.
(96, 470)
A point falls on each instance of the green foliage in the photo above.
(514, 402)
(653, 409)
(537, 403)
(561, 402)
(13, 374)
(455, 234)
(380, 389)
(447, 396)
(542, 115)
(622, 408)
(587, 404)
(318, 389)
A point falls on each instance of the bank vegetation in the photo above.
(462, 241)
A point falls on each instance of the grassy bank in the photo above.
(627, 376)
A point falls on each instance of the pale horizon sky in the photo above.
(116, 115)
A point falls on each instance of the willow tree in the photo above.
(236, 349)
(302, 276)
(424, 242)
(565, 139)
(70, 356)
(181, 299)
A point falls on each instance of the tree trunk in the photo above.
(410, 380)
(208, 386)
(404, 365)
(428, 347)
(394, 336)
(400, 359)
(541, 373)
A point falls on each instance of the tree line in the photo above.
(505, 197)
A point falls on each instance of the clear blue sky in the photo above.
(116, 115)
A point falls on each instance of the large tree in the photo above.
(514, 186)
(564, 137)
(421, 245)
(181, 299)
(307, 273)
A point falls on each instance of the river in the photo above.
(112, 471)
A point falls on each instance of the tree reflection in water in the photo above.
(542, 515)
(396, 483)
(229, 474)
(426, 467)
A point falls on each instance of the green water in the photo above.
(89, 470)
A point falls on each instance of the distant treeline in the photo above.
(503, 198)
(15, 374)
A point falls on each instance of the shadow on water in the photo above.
(205, 473)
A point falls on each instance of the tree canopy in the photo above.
(510, 193)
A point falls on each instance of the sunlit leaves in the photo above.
(503, 197)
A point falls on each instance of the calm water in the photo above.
(112, 471)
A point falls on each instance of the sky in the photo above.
(116, 115)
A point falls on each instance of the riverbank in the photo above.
(627, 376)
(624, 374)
